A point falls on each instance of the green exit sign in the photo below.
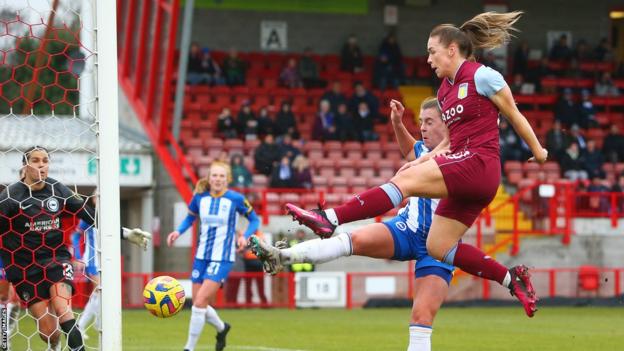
(128, 166)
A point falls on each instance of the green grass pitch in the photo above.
(460, 329)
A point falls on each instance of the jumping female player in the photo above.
(465, 178)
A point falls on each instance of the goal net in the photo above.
(56, 73)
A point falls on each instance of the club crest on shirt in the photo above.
(52, 205)
(462, 91)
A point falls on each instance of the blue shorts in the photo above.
(412, 245)
(217, 271)
(2, 272)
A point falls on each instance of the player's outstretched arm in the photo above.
(503, 99)
(405, 140)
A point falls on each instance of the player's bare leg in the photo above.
(92, 309)
(60, 303)
(429, 293)
(47, 323)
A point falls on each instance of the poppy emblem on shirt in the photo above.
(462, 92)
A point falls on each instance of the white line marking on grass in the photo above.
(229, 347)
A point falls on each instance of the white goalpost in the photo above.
(108, 150)
(59, 92)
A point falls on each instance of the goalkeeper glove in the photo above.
(137, 236)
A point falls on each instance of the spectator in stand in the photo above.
(303, 174)
(309, 71)
(211, 71)
(335, 96)
(234, 69)
(283, 175)
(557, 141)
(241, 176)
(594, 159)
(605, 86)
(573, 70)
(573, 164)
(285, 122)
(582, 52)
(345, 124)
(603, 51)
(516, 85)
(364, 123)
(600, 203)
(587, 111)
(247, 122)
(613, 146)
(392, 51)
(536, 74)
(510, 144)
(561, 50)
(226, 126)
(360, 94)
(384, 75)
(266, 155)
(489, 60)
(567, 111)
(521, 59)
(194, 74)
(618, 187)
(324, 124)
(351, 58)
(577, 137)
(265, 122)
(289, 77)
(287, 147)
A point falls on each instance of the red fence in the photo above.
(585, 281)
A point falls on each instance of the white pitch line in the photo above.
(229, 347)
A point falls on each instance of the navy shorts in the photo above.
(217, 271)
(412, 245)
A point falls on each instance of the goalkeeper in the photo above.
(37, 262)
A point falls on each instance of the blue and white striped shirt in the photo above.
(418, 213)
(218, 216)
(89, 256)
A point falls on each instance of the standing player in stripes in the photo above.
(218, 209)
(401, 238)
(467, 178)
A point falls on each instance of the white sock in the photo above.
(419, 338)
(213, 318)
(196, 325)
(331, 216)
(319, 250)
(91, 310)
(507, 280)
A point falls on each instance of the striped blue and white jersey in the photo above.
(89, 256)
(418, 213)
(218, 216)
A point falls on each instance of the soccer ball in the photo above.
(163, 296)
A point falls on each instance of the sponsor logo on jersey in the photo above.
(52, 205)
(43, 225)
(401, 226)
(458, 155)
(451, 112)
(462, 92)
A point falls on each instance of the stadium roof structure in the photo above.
(61, 134)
